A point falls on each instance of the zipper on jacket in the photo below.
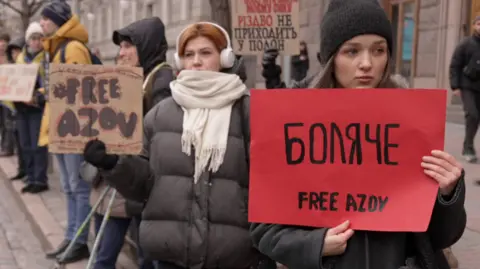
(190, 223)
(190, 219)
(367, 252)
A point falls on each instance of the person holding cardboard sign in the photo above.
(142, 43)
(193, 172)
(356, 46)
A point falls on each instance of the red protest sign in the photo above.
(320, 157)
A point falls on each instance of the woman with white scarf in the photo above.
(193, 172)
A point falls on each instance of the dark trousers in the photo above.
(471, 106)
(34, 157)
(8, 131)
(111, 242)
(166, 265)
(10, 140)
(21, 160)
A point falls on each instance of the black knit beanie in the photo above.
(58, 11)
(346, 19)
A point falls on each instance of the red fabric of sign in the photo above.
(320, 157)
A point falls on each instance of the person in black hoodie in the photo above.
(300, 63)
(143, 43)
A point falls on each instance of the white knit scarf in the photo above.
(206, 98)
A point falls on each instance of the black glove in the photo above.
(38, 99)
(271, 71)
(269, 57)
(95, 153)
(318, 57)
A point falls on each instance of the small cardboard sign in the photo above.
(320, 157)
(95, 101)
(258, 25)
(17, 81)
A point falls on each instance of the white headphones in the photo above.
(227, 57)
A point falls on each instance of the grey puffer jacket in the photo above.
(201, 225)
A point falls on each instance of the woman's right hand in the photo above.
(95, 153)
(335, 241)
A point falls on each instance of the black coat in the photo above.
(148, 36)
(468, 50)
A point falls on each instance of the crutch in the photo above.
(98, 237)
(83, 226)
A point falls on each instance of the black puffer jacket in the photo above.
(300, 247)
(468, 50)
(148, 35)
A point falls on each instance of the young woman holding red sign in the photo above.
(356, 50)
(192, 175)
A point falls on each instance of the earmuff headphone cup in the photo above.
(178, 61)
(227, 58)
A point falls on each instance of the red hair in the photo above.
(202, 29)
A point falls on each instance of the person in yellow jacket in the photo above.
(65, 32)
(29, 116)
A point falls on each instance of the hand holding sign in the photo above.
(444, 168)
(335, 241)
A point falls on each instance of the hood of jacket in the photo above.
(400, 81)
(18, 43)
(72, 29)
(238, 68)
(148, 35)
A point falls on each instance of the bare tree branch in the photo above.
(221, 13)
(36, 5)
(7, 4)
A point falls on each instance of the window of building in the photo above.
(149, 10)
(127, 16)
(473, 9)
(104, 22)
(403, 16)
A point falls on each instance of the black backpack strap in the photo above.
(62, 53)
(63, 48)
(245, 108)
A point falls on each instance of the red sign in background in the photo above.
(383, 188)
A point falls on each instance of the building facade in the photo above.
(103, 17)
(426, 32)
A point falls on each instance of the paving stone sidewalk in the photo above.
(53, 205)
(467, 249)
(19, 246)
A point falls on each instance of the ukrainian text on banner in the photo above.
(258, 25)
(320, 157)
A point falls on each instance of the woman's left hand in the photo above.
(444, 168)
